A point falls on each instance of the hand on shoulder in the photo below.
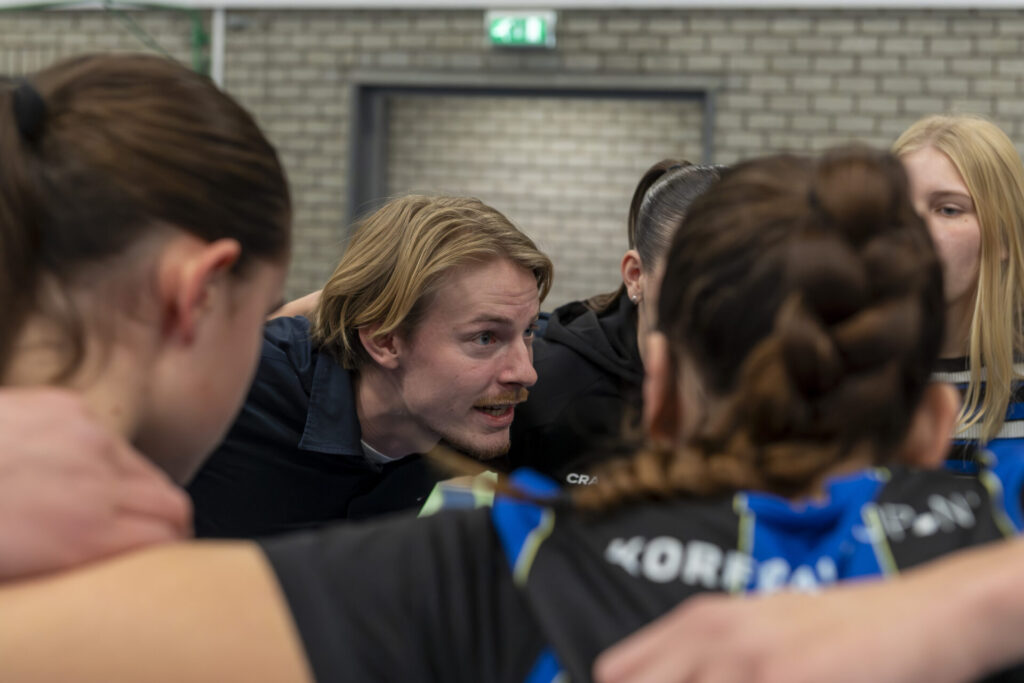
(71, 491)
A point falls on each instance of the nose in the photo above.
(519, 367)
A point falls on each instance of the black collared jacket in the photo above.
(293, 458)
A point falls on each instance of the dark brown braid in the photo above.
(809, 296)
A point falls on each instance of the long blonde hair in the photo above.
(991, 168)
(396, 258)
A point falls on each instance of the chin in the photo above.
(477, 450)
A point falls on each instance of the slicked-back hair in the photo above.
(659, 204)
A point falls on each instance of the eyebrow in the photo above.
(497, 320)
(943, 194)
(492, 319)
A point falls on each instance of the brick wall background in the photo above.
(799, 80)
(563, 168)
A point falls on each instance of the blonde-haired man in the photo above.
(422, 334)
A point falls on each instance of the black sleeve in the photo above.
(407, 599)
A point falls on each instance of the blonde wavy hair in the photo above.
(396, 259)
(991, 168)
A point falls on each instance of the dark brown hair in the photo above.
(808, 296)
(659, 204)
(98, 151)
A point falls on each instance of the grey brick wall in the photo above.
(799, 80)
(563, 169)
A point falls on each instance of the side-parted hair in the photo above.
(397, 258)
(660, 202)
(807, 296)
(100, 151)
(991, 168)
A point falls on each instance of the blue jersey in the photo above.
(964, 456)
(591, 580)
(529, 592)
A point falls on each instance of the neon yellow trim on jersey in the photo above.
(879, 541)
(528, 553)
(744, 533)
(483, 489)
(433, 503)
(991, 482)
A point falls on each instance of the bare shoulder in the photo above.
(195, 611)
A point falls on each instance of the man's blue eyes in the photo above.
(488, 338)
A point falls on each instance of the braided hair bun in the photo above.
(807, 295)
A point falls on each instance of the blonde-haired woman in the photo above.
(967, 181)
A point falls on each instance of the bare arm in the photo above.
(71, 492)
(185, 612)
(953, 620)
(301, 306)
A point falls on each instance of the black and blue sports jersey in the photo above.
(528, 592)
(957, 371)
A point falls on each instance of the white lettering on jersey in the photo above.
(702, 564)
(663, 559)
(945, 513)
(625, 554)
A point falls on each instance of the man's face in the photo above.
(470, 359)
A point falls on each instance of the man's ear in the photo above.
(632, 272)
(660, 393)
(190, 267)
(931, 428)
(385, 349)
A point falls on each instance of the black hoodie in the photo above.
(588, 389)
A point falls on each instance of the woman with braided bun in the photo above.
(967, 181)
(788, 400)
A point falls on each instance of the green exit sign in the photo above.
(520, 29)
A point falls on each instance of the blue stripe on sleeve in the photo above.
(546, 669)
(513, 519)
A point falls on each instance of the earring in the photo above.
(635, 298)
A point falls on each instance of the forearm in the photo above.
(304, 305)
(972, 606)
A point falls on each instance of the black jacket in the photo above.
(294, 457)
(589, 377)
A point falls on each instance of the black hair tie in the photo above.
(29, 112)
